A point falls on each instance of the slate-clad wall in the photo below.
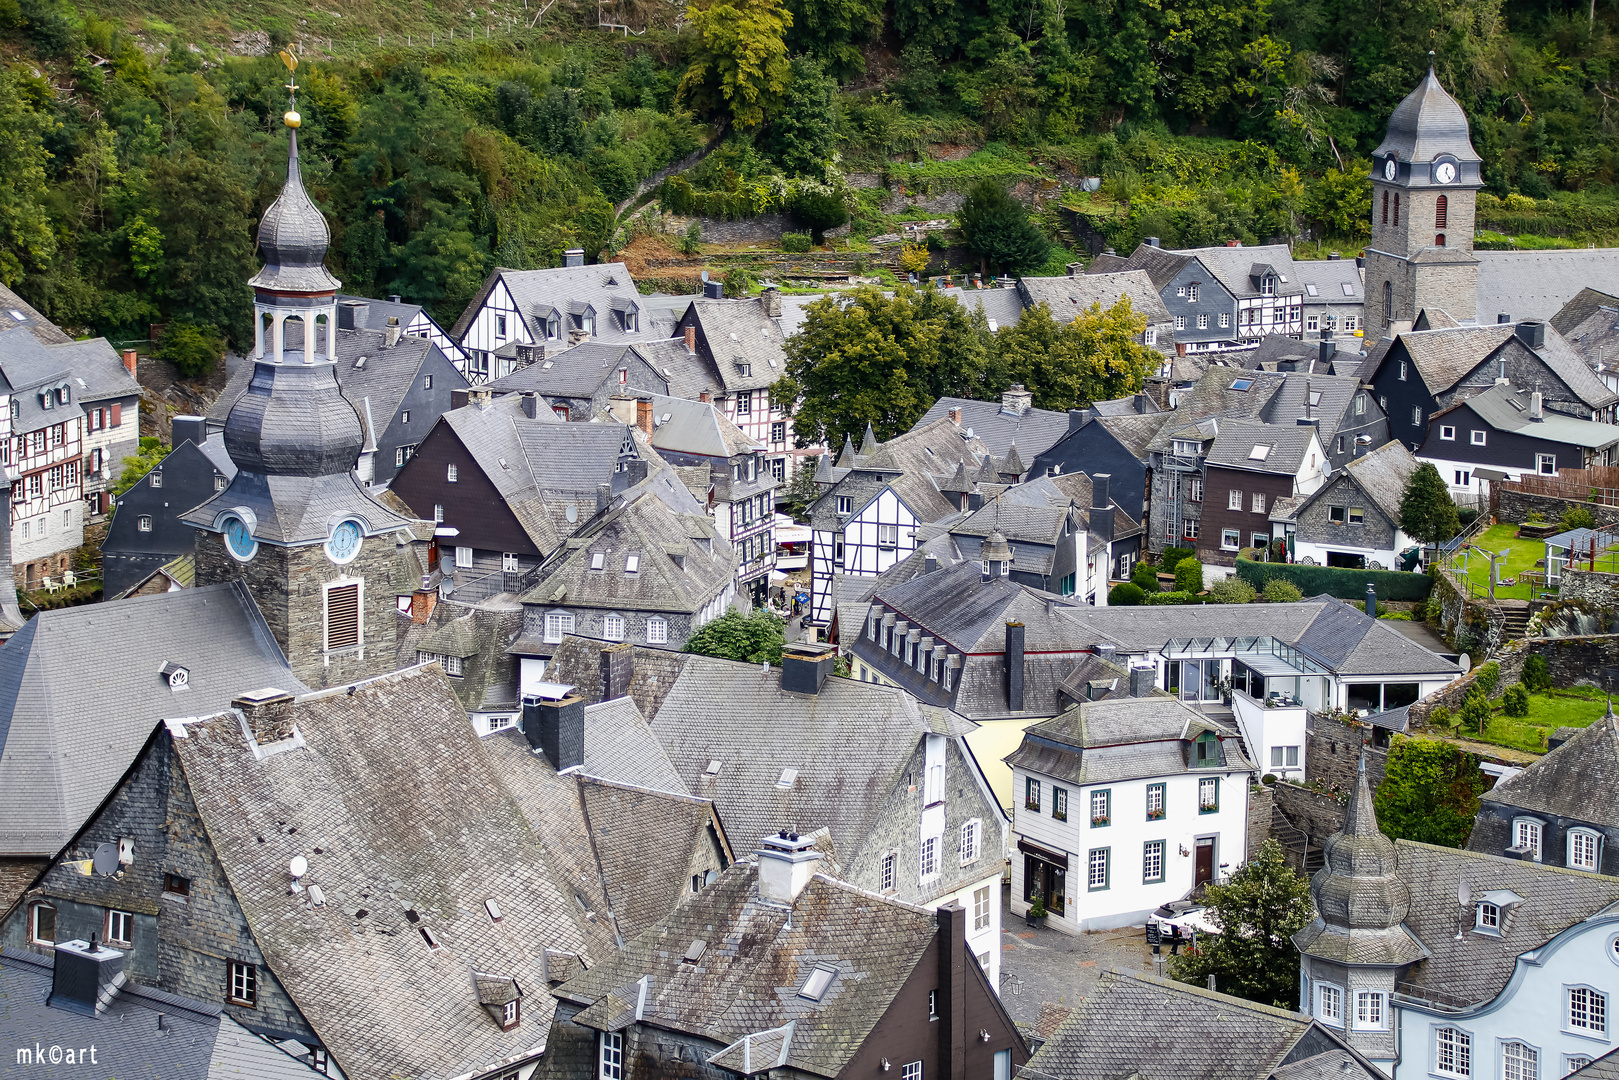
(1316, 527)
(288, 584)
(181, 945)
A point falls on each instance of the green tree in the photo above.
(151, 453)
(1429, 793)
(819, 209)
(1427, 511)
(26, 239)
(1536, 674)
(804, 135)
(741, 66)
(1258, 912)
(832, 31)
(997, 228)
(1189, 576)
(193, 350)
(756, 638)
(861, 357)
(1096, 357)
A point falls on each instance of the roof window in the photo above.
(1260, 452)
(787, 779)
(1349, 290)
(597, 558)
(632, 563)
(1311, 290)
(694, 951)
(816, 985)
(1242, 384)
(492, 908)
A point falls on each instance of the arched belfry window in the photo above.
(1440, 209)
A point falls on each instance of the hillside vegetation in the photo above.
(138, 147)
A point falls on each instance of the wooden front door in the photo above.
(1205, 861)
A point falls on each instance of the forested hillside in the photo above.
(137, 154)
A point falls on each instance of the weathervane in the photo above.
(290, 58)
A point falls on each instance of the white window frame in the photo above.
(1585, 1012)
(981, 910)
(657, 630)
(888, 536)
(911, 1070)
(508, 562)
(1259, 502)
(1180, 322)
(1457, 1048)
(889, 872)
(1531, 830)
(1196, 491)
(1487, 917)
(1519, 1061)
(242, 983)
(610, 1056)
(1371, 1010)
(463, 557)
(1447, 432)
(969, 842)
(558, 625)
(613, 627)
(1581, 838)
(1225, 320)
(928, 857)
(1230, 539)
(1477, 437)
(1542, 461)
(1330, 1004)
(1233, 499)
(451, 473)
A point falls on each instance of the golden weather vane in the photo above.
(290, 59)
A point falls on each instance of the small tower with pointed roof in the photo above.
(1355, 950)
(1425, 184)
(321, 556)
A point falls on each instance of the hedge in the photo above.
(1345, 584)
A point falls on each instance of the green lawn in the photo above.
(1577, 706)
(1522, 555)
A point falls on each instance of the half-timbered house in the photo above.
(45, 458)
(1221, 298)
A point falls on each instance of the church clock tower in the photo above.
(1425, 183)
(317, 552)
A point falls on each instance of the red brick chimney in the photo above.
(691, 339)
(422, 603)
(705, 395)
(955, 415)
(643, 416)
(129, 361)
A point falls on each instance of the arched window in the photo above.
(1396, 208)
(1385, 208)
(1439, 240)
(1388, 302)
(1440, 209)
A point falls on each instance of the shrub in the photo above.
(1170, 598)
(1281, 591)
(1232, 590)
(193, 350)
(1189, 577)
(1515, 701)
(819, 211)
(1487, 679)
(691, 241)
(1577, 517)
(738, 281)
(1536, 675)
(1344, 584)
(1475, 710)
(1125, 594)
(1171, 558)
(1145, 578)
(795, 243)
(913, 258)
(1441, 717)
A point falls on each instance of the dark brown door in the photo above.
(1205, 861)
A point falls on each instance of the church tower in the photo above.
(1425, 183)
(1354, 951)
(316, 551)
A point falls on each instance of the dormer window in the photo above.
(1206, 750)
(510, 1015)
(1267, 285)
(553, 328)
(1487, 917)
(64, 395)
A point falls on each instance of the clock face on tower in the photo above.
(1390, 168)
(239, 539)
(344, 543)
(1445, 172)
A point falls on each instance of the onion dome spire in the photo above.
(293, 235)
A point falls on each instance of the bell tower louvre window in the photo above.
(1440, 210)
(343, 616)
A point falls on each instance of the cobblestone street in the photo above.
(1045, 973)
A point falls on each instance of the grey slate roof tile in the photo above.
(1579, 780)
(61, 753)
(565, 288)
(15, 311)
(998, 428)
(1535, 284)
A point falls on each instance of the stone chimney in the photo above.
(1016, 400)
(268, 713)
(643, 415)
(86, 977)
(805, 666)
(1143, 680)
(604, 497)
(786, 863)
(617, 669)
(130, 356)
(1014, 666)
(392, 331)
(770, 298)
(556, 728)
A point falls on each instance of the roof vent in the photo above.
(178, 677)
(694, 951)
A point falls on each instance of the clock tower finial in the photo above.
(1425, 181)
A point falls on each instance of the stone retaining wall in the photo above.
(1332, 753)
(1260, 804)
(1509, 505)
(1594, 587)
(1316, 815)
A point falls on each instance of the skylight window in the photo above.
(19, 316)
(1260, 452)
(816, 985)
(1311, 290)
(632, 563)
(493, 909)
(714, 767)
(1242, 384)
(787, 779)
(597, 558)
(694, 951)
(1349, 289)
(1315, 397)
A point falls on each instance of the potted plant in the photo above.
(1155, 815)
(1037, 912)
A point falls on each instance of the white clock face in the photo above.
(1390, 167)
(344, 544)
(239, 540)
(1445, 172)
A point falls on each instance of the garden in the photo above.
(1525, 714)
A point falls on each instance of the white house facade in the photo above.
(856, 532)
(1121, 806)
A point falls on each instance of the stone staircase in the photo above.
(1300, 852)
(1515, 623)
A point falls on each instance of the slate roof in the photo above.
(1506, 408)
(1194, 1034)
(385, 377)
(1134, 433)
(477, 633)
(697, 427)
(576, 372)
(955, 606)
(1238, 268)
(1381, 474)
(738, 331)
(1235, 444)
(1132, 405)
(1122, 738)
(998, 427)
(1159, 264)
(1336, 281)
(564, 288)
(1070, 297)
(641, 524)
(1213, 396)
(1584, 305)
(15, 311)
(1535, 284)
(199, 1041)
(417, 830)
(1002, 307)
(914, 464)
(1475, 967)
(91, 371)
(1444, 357)
(758, 955)
(61, 753)
(293, 237)
(711, 713)
(1426, 124)
(1333, 396)
(1579, 780)
(1605, 1067)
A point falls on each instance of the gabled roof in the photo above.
(1216, 394)
(563, 288)
(739, 332)
(1579, 780)
(1583, 306)
(1267, 448)
(757, 956)
(81, 689)
(1381, 474)
(956, 607)
(1239, 269)
(1444, 357)
(15, 311)
(1506, 408)
(1330, 398)
(1070, 297)
(199, 1042)
(1123, 738)
(998, 427)
(572, 373)
(675, 570)
(88, 370)
(1002, 307)
(681, 425)
(1159, 264)
(419, 845)
(1336, 281)
(914, 464)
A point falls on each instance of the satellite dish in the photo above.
(298, 867)
(571, 513)
(105, 861)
